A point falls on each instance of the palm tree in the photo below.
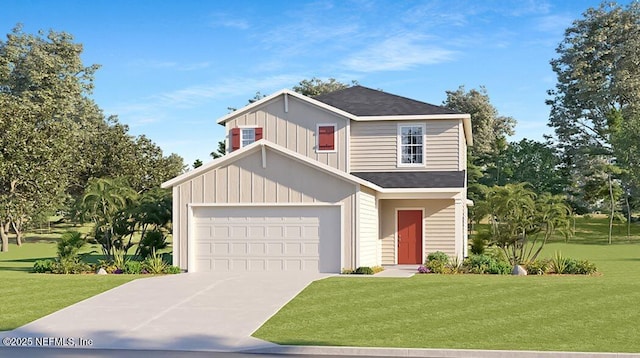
(101, 203)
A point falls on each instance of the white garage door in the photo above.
(267, 238)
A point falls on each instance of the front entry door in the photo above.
(409, 237)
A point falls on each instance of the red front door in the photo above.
(409, 237)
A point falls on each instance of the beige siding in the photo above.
(246, 181)
(374, 145)
(439, 224)
(442, 144)
(368, 229)
(296, 129)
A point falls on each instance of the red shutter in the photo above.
(326, 138)
(235, 138)
(258, 133)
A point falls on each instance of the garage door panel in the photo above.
(267, 239)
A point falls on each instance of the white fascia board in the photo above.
(411, 117)
(424, 193)
(283, 92)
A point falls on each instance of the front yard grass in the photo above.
(549, 313)
(27, 296)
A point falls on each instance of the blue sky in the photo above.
(171, 68)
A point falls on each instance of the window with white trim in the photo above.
(411, 144)
(247, 136)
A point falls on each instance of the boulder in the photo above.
(101, 272)
(519, 271)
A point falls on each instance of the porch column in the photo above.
(461, 241)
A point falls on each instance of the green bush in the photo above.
(558, 263)
(537, 267)
(347, 271)
(69, 245)
(133, 267)
(377, 269)
(154, 264)
(153, 241)
(437, 262)
(71, 266)
(482, 264)
(479, 243)
(43, 266)
(172, 270)
(363, 270)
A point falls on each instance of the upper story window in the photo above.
(242, 137)
(326, 138)
(411, 144)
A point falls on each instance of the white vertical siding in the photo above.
(246, 181)
(368, 229)
(374, 145)
(296, 129)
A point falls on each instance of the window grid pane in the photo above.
(248, 136)
(411, 145)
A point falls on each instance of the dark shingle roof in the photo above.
(363, 101)
(435, 179)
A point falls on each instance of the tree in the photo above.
(489, 131)
(528, 161)
(316, 86)
(594, 106)
(221, 151)
(521, 222)
(197, 163)
(103, 203)
(43, 89)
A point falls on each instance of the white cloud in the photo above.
(229, 21)
(400, 52)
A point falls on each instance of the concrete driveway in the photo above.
(209, 312)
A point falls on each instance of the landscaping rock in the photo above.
(519, 271)
(101, 272)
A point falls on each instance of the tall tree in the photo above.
(594, 106)
(490, 131)
(43, 89)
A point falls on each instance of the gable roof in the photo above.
(388, 107)
(364, 101)
(431, 179)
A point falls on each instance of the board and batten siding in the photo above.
(368, 239)
(374, 145)
(245, 181)
(438, 226)
(296, 129)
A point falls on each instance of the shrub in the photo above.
(120, 259)
(154, 264)
(43, 266)
(559, 263)
(437, 262)
(70, 266)
(481, 264)
(69, 245)
(377, 269)
(153, 241)
(133, 267)
(347, 271)
(537, 267)
(423, 269)
(363, 270)
(479, 243)
(585, 267)
(172, 270)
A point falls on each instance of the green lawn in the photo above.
(28, 296)
(566, 313)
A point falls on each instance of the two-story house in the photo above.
(356, 177)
